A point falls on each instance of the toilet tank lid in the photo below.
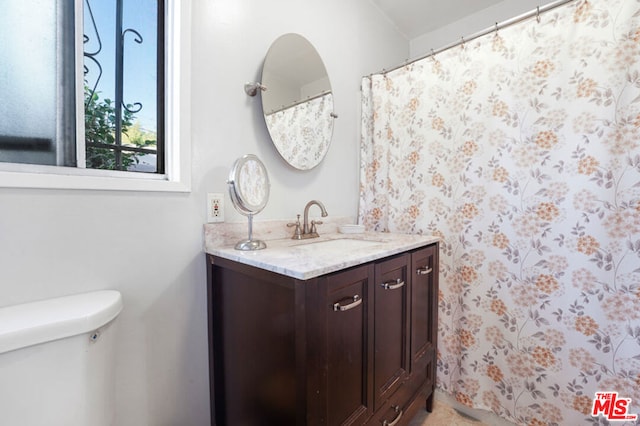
(46, 320)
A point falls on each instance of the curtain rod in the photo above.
(498, 26)
(301, 101)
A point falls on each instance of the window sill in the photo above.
(52, 177)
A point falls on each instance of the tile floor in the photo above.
(443, 415)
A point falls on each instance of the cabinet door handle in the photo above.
(355, 301)
(423, 271)
(396, 420)
(392, 285)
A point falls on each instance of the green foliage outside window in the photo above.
(99, 128)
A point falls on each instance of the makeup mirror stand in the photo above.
(250, 243)
(249, 190)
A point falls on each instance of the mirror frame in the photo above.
(241, 201)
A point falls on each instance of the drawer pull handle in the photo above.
(396, 420)
(423, 271)
(355, 301)
(392, 285)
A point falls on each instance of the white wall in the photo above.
(149, 245)
(230, 39)
(471, 24)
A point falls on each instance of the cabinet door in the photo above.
(391, 329)
(348, 315)
(424, 314)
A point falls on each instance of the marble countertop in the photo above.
(305, 259)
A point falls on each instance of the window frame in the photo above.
(177, 175)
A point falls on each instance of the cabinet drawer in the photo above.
(394, 411)
(408, 398)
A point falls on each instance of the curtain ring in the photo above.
(496, 28)
(462, 44)
(433, 55)
(538, 14)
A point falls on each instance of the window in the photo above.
(123, 59)
(37, 78)
(92, 94)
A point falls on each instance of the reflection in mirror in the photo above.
(298, 102)
(249, 190)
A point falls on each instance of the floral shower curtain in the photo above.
(521, 150)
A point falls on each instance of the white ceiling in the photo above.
(417, 17)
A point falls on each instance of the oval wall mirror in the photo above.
(249, 190)
(298, 102)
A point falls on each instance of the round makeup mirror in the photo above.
(249, 190)
(297, 102)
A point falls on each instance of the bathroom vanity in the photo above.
(340, 330)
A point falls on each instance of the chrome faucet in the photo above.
(305, 227)
(308, 231)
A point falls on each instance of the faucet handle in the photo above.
(313, 225)
(297, 233)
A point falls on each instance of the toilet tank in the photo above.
(57, 361)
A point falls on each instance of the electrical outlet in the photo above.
(215, 207)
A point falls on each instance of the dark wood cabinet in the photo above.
(424, 319)
(348, 316)
(357, 346)
(391, 327)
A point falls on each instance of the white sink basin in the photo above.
(337, 244)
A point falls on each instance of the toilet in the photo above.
(57, 361)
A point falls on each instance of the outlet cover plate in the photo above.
(215, 207)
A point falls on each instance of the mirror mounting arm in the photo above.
(251, 88)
